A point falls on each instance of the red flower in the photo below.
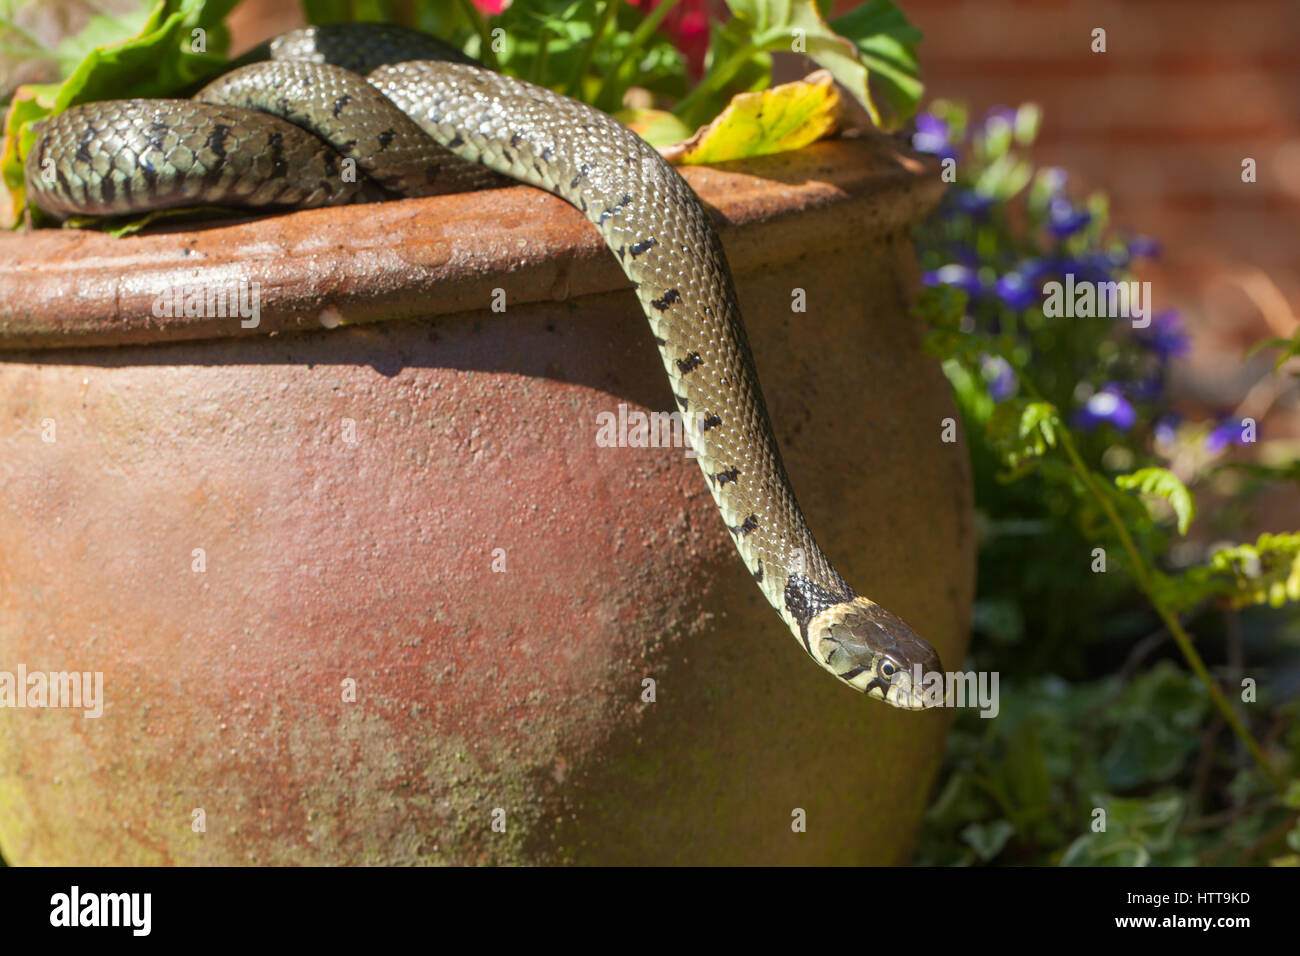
(491, 7)
(688, 27)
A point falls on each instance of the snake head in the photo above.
(874, 652)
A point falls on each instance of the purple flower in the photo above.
(1165, 335)
(999, 375)
(1107, 405)
(1227, 432)
(1035, 269)
(1144, 247)
(1093, 267)
(971, 202)
(1166, 429)
(1063, 219)
(963, 277)
(1148, 388)
(1003, 113)
(1053, 179)
(1016, 291)
(933, 136)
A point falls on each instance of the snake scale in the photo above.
(417, 117)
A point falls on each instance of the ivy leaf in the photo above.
(1165, 484)
(987, 840)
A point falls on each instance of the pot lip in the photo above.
(407, 259)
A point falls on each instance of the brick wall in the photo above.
(1161, 121)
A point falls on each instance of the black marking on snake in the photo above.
(621, 251)
(671, 296)
(660, 342)
(606, 213)
(853, 672)
(217, 140)
(455, 141)
(578, 177)
(877, 682)
(348, 148)
(514, 140)
(805, 600)
(275, 143)
(341, 102)
(83, 148)
(758, 575)
(508, 156)
(710, 421)
(547, 155)
(109, 189)
(643, 246)
(725, 477)
(681, 401)
(746, 527)
(690, 363)
(386, 137)
(63, 181)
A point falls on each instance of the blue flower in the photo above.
(1144, 247)
(1063, 219)
(1166, 429)
(933, 136)
(953, 274)
(1035, 269)
(971, 202)
(1003, 113)
(1165, 335)
(1147, 389)
(1000, 377)
(1227, 432)
(1016, 291)
(1107, 405)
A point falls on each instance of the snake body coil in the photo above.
(423, 120)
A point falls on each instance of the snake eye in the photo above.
(887, 670)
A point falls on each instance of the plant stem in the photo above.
(717, 78)
(574, 86)
(486, 53)
(1181, 637)
(612, 82)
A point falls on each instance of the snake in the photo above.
(346, 113)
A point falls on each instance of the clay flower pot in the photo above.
(363, 585)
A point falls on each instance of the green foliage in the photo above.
(152, 52)
(1162, 483)
(1073, 457)
(594, 50)
(1063, 759)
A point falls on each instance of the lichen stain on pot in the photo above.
(347, 493)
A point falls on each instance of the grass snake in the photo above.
(413, 116)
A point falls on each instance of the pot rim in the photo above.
(414, 258)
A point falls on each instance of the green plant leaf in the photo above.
(887, 43)
(1165, 484)
(785, 117)
(162, 59)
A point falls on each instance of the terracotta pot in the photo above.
(234, 525)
